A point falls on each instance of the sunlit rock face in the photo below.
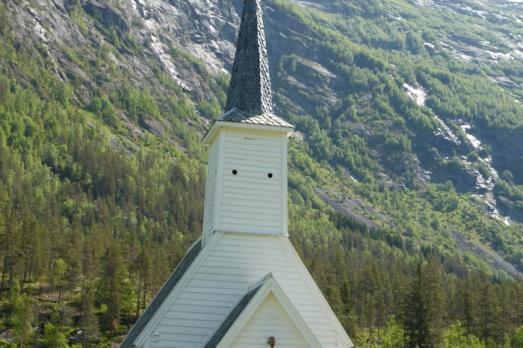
(155, 28)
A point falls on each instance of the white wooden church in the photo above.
(242, 284)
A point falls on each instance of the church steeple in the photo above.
(250, 96)
(250, 88)
(246, 189)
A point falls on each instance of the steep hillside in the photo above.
(408, 147)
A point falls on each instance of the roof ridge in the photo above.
(260, 282)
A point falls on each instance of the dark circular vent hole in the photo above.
(270, 175)
(234, 172)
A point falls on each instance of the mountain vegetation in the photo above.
(406, 167)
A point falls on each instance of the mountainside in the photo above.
(408, 148)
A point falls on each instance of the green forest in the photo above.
(102, 182)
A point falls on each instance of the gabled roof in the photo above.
(231, 318)
(249, 99)
(248, 305)
(162, 295)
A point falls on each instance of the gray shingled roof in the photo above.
(239, 116)
(162, 295)
(250, 97)
(231, 318)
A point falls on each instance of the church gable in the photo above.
(265, 313)
(270, 320)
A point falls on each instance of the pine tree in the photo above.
(424, 306)
(143, 267)
(89, 321)
(22, 316)
(489, 314)
(469, 305)
(433, 296)
(10, 244)
(115, 290)
(53, 338)
(457, 337)
(517, 339)
(392, 336)
(414, 320)
(73, 254)
(60, 270)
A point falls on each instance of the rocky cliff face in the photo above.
(145, 30)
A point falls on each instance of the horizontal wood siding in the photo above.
(250, 200)
(236, 262)
(270, 320)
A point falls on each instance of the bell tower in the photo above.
(246, 190)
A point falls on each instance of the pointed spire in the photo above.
(250, 89)
(250, 97)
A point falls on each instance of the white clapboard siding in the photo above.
(250, 201)
(210, 190)
(270, 319)
(230, 266)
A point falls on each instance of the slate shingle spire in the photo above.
(250, 97)
(250, 89)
